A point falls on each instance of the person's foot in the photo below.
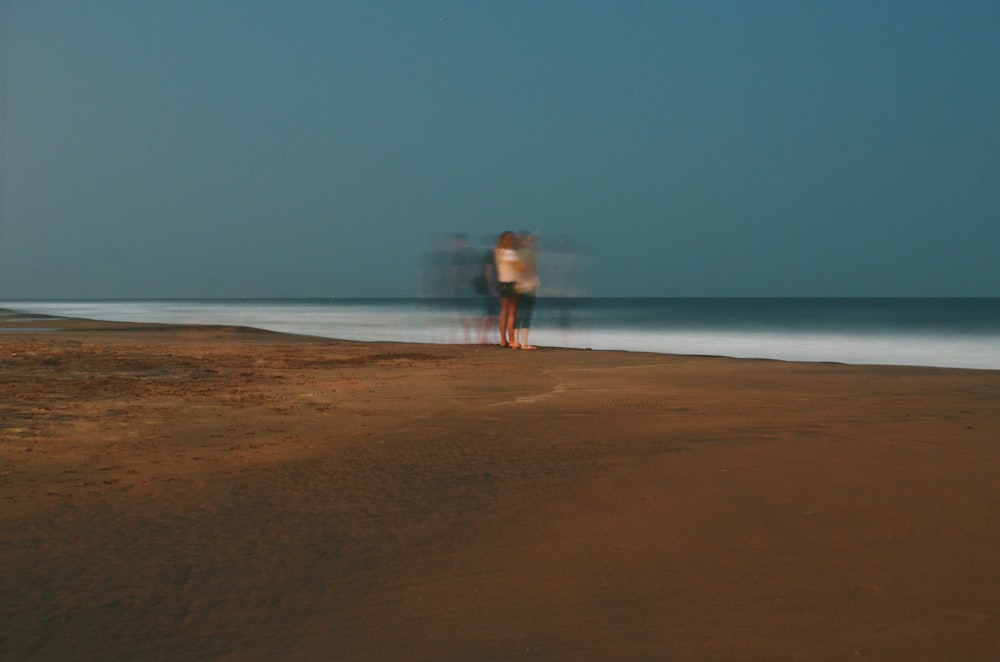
(528, 347)
(515, 345)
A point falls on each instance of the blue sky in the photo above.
(264, 148)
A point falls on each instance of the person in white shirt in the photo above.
(527, 284)
(508, 267)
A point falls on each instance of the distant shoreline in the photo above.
(959, 333)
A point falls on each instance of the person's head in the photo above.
(525, 240)
(507, 240)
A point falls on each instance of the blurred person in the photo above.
(527, 285)
(462, 271)
(434, 271)
(508, 266)
(486, 287)
(564, 274)
(462, 267)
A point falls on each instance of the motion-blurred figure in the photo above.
(462, 271)
(527, 285)
(486, 289)
(462, 267)
(434, 269)
(564, 277)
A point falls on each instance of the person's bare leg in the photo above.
(524, 339)
(504, 315)
(511, 322)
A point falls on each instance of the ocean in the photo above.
(952, 332)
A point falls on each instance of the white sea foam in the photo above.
(425, 324)
(861, 349)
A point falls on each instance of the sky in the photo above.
(315, 148)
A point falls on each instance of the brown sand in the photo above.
(220, 493)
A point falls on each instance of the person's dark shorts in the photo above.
(525, 307)
(508, 290)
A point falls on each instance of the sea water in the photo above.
(961, 333)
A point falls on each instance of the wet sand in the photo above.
(230, 494)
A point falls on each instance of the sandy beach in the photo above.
(218, 493)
